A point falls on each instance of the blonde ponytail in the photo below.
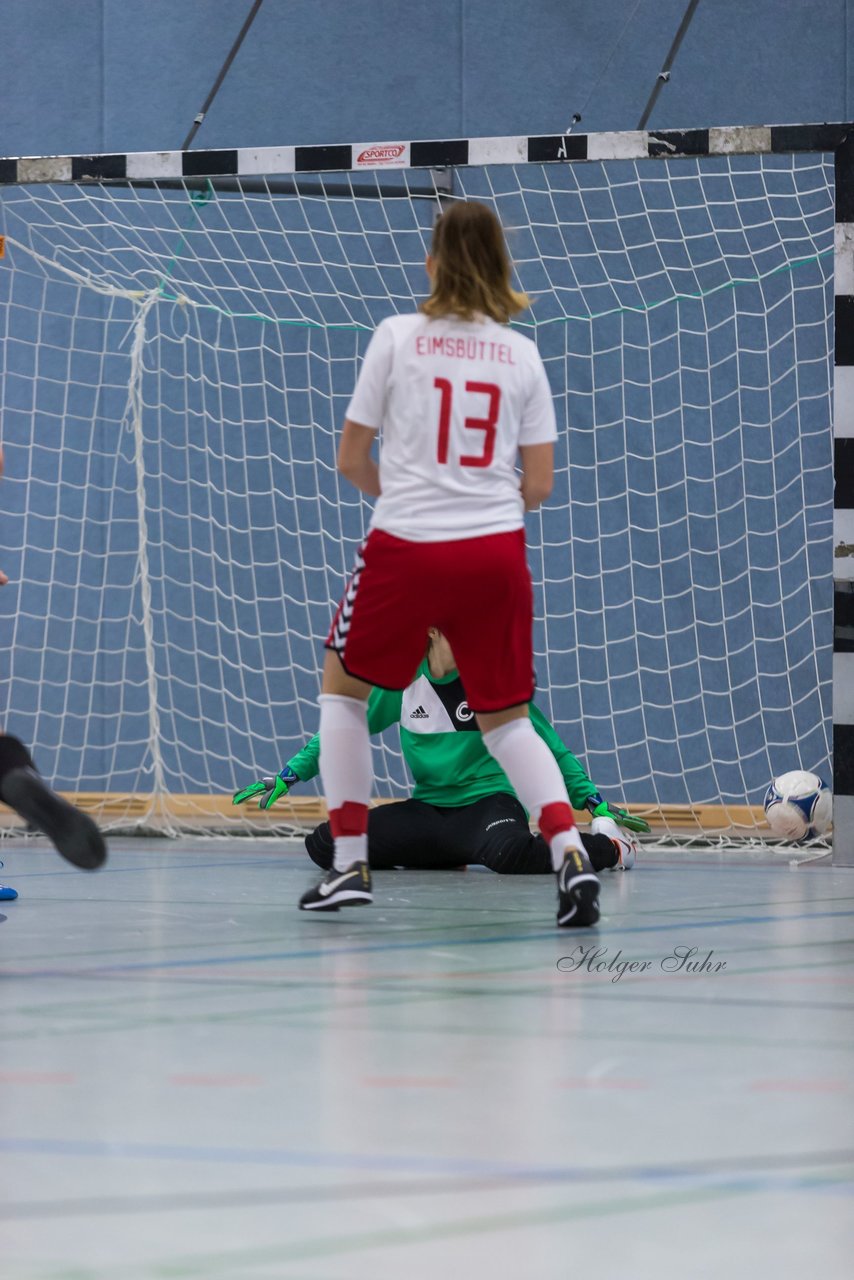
(471, 266)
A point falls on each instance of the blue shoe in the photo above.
(7, 894)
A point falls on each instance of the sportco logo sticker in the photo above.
(387, 154)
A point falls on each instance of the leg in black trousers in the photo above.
(408, 833)
(492, 832)
(500, 838)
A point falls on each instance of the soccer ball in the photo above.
(798, 806)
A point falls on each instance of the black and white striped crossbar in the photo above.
(152, 166)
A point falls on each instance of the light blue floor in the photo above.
(199, 1081)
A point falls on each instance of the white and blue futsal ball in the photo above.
(798, 806)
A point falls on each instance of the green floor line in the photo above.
(220, 1263)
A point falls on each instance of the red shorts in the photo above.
(477, 591)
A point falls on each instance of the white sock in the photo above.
(534, 775)
(560, 843)
(345, 766)
(349, 849)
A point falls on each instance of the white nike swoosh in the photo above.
(329, 886)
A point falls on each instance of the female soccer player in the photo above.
(459, 397)
(463, 809)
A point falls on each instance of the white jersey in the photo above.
(454, 400)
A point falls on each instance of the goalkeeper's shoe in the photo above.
(72, 833)
(577, 891)
(626, 847)
(268, 790)
(600, 808)
(350, 888)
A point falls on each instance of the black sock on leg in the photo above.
(601, 851)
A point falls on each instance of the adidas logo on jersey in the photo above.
(419, 714)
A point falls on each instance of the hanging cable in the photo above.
(578, 115)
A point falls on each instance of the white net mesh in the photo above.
(175, 363)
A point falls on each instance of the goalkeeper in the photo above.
(463, 809)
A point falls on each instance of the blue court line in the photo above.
(65, 870)
(296, 1158)
(294, 861)
(309, 953)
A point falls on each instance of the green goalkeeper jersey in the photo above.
(442, 744)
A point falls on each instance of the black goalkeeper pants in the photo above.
(492, 832)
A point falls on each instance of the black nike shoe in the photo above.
(73, 833)
(348, 888)
(577, 891)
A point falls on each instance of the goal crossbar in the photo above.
(246, 162)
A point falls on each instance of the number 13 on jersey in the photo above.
(485, 424)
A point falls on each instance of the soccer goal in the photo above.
(181, 333)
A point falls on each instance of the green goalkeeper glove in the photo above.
(602, 809)
(268, 789)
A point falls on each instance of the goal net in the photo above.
(177, 355)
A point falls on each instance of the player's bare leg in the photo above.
(346, 773)
(537, 781)
(72, 833)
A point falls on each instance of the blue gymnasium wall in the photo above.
(113, 75)
(119, 75)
